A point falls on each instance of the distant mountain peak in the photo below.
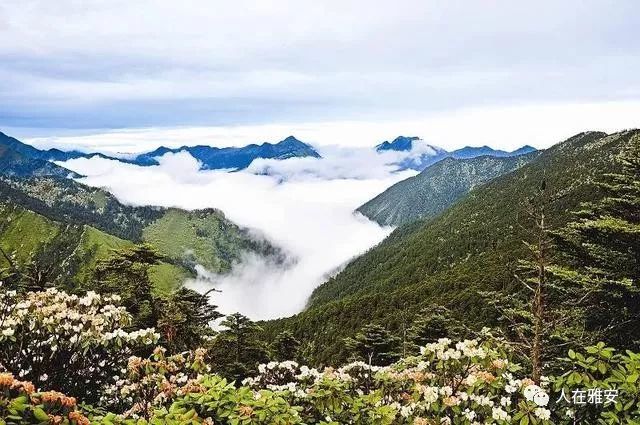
(400, 143)
(291, 139)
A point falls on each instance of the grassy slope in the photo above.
(202, 237)
(186, 238)
(472, 246)
(23, 233)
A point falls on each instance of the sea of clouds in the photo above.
(303, 205)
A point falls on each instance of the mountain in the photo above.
(472, 246)
(234, 158)
(51, 215)
(211, 158)
(472, 152)
(30, 161)
(421, 155)
(22, 160)
(400, 143)
(437, 187)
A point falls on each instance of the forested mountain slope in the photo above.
(39, 213)
(472, 246)
(437, 187)
(16, 163)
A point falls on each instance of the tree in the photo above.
(601, 251)
(431, 324)
(236, 351)
(52, 264)
(184, 319)
(375, 345)
(126, 273)
(536, 317)
(285, 346)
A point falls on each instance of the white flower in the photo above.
(469, 414)
(430, 394)
(530, 391)
(8, 332)
(541, 398)
(542, 413)
(498, 414)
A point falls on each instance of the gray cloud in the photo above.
(105, 64)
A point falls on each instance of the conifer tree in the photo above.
(236, 351)
(430, 325)
(285, 346)
(184, 319)
(534, 317)
(601, 251)
(126, 273)
(374, 345)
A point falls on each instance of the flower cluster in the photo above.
(470, 382)
(65, 341)
(18, 398)
(148, 384)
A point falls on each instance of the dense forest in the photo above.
(448, 261)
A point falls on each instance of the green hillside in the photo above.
(42, 219)
(437, 187)
(202, 237)
(472, 246)
(68, 201)
(65, 252)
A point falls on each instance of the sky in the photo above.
(340, 72)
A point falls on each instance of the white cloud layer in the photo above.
(309, 214)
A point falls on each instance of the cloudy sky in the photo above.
(336, 72)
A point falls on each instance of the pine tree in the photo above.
(535, 319)
(126, 273)
(429, 325)
(285, 346)
(375, 345)
(184, 319)
(601, 251)
(236, 351)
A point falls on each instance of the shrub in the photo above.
(69, 343)
(20, 404)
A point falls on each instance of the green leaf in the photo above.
(40, 414)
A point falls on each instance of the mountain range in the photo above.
(211, 158)
(446, 260)
(421, 154)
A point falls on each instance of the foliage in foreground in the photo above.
(469, 382)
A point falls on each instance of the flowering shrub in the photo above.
(153, 383)
(464, 383)
(70, 343)
(20, 404)
(78, 345)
